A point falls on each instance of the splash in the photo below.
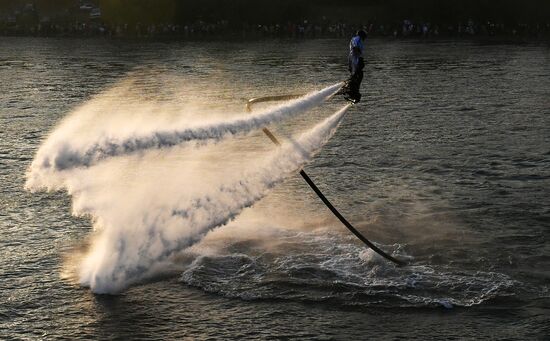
(147, 207)
(259, 261)
(67, 148)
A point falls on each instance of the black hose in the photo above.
(317, 190)
(347, 223)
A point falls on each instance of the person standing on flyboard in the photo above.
(356, 66)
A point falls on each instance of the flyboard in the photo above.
(314, 187)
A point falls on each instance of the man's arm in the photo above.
(357, 51)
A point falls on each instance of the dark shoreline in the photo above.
(500, 39)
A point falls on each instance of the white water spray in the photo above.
(129, 251)
(147, 207)
(66, 148)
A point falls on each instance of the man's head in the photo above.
(362, 34)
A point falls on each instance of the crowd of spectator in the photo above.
(86, 20)
(302, 29)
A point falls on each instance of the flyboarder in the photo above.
(356, 63)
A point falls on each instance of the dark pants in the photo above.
(353, 83)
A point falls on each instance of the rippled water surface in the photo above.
(446, 162)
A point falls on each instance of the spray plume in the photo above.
(146, 208)
(64, 149)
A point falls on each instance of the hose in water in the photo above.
(316, 189)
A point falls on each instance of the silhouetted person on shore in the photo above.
(356, 65)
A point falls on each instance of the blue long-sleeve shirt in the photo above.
(356, 48)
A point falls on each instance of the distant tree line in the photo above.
(280, 11)
(236, 12)
(275, 17)
(271, 11)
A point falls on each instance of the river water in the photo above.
(446, 162)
